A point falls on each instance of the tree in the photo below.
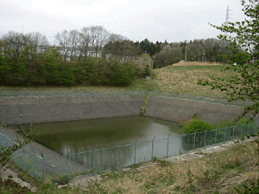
(121, 49)
(14, 43)
(167, 57)
(63, 40)
(99, 37)
(84, 39)
(116, 37)
(74, 37)
(244, 86)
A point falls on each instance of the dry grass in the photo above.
(216, 172)
(173, 78)
(195, 63)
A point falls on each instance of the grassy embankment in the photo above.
(171, 79)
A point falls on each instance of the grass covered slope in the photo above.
(174, 78)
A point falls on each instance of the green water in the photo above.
(85, 135)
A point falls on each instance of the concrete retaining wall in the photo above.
(180, 109)
(20, 110)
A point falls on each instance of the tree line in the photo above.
(29, 60)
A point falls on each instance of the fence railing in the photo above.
(121, 156)
(72, 92)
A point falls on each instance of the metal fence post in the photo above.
(233, 132)
(153, 147)
(22, 156)
(248, 129)
(182, 144)
(94, 155)
(216, 134)
(42, 163)
(194, 138)
(12, 145)
(206, 137)
(116, 155)
(225, 133)
(135, 151)
(34, 158)
(9, 92)
(168, 144)
(241, 130)
(69, 164)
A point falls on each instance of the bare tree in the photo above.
(63, 41)
(38, 41)
(99, 37)
(16, 42)
(13, 41)
(116, 37)
(85, 40)
(74, 40)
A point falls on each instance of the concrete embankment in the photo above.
(179, 110)
(20, 110)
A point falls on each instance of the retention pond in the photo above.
(148, 136)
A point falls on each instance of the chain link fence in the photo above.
(121, 156)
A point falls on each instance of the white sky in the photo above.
(156, 20)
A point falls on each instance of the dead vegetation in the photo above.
(219, 172)
(195, 63)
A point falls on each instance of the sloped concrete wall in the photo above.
(179, 110)
(21, 110)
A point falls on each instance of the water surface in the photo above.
(85, 135)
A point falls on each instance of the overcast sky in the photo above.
(156, 20)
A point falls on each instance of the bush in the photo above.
(48, 68)
(200, 125)
(121, 75)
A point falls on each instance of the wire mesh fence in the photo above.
(120, 156)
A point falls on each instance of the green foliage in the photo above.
(167, 57)
(210, 134)
(197, 124)
(49, 69)
(245, 48)
(253, 189)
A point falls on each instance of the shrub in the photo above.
(200, 125)
(48, 68)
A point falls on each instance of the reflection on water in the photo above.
(81, 136)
